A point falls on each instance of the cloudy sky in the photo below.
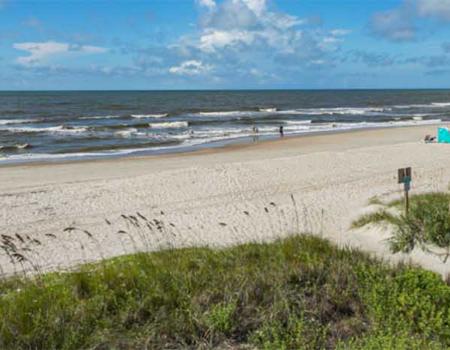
(224, 44)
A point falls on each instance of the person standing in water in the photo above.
(281, 130)
(255, 133)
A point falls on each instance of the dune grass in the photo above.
(297, 293)
(427, 224)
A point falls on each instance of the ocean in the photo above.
(46, 126)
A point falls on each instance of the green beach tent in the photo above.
(443, 135)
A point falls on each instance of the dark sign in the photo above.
(404, 175)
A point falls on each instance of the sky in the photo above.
(224, 44)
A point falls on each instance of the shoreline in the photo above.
(216, 146)
(217, 197)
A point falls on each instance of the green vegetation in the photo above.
(298, 293)
(426, 225)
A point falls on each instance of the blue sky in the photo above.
(224, 44)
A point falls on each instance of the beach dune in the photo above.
(59, 215)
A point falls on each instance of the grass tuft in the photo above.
(375, 201)
(380, 216)
(426, 225)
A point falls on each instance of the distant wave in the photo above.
(337, 110)
(51, 129)
(168, 125)
(351, 111)
(160, 115)
(237, 114)
(228, 113)
(299, 111)
(12, 111)
(295, 122)
(429, 105)
(16, 121)
(102, 117)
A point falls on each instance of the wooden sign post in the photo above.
(405, 177)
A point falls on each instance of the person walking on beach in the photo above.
(281, 130)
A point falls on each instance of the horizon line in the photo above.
(228, 90)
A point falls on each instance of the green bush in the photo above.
(297, 293)
(427, 223)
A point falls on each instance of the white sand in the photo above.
(204, 195)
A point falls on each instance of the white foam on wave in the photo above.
(142, 116)
(126, 133)
(218, 113)
(429, 105)
(296, 122)
(231, 114)
(300, 111)
(337, 110)
(16, 121)
(102, 117)
(37, 157)
(207, 136)
(300, 127)
(169, 125)
(51, 129)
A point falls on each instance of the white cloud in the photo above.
(212, 39)
(257, 6)
(210, 4)
(434, 8)
(340, 32)
(191, 67)
(40, 52)
(245, 25)
(396, 24)
(254, 41)
(402, 23)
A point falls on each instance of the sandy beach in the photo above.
(62, 214)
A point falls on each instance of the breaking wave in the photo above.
(140, 116)
(169, 125)
(51, 129)
(16, 121)
(102, 117)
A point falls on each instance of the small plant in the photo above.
(375, 201)
(427, 224)
(220, 317)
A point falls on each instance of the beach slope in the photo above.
(63, 214)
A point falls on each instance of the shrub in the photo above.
(426, 225)
(297, 293)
